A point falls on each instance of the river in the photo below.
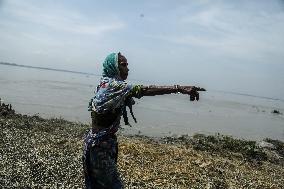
(62, 94)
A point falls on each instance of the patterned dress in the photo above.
(100, 145)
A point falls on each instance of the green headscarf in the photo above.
(110, 66)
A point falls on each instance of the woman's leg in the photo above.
(103, 167)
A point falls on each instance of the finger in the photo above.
(197, 96)
(192, 97)
(200, 89)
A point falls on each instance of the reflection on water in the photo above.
(61, 94)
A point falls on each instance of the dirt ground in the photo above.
(46, 153)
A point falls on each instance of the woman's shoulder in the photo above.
(113, 84)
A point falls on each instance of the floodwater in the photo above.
(62, 94)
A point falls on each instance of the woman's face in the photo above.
(122, 66)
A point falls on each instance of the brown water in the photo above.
(61, 94)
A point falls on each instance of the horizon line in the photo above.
(87, 73)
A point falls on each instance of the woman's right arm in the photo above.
(153, 90)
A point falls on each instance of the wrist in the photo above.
(176, 88)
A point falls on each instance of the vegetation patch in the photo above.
(46, 153)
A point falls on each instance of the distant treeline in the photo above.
(85, 73)
(44, 68)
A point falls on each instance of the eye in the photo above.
(124, 64)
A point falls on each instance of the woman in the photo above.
(113, 94)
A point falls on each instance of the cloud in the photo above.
(62, 20)
(254, 33)
(42, 33)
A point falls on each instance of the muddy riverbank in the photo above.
(46, 153)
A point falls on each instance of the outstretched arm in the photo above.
(153, 90)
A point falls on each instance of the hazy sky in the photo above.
(222, 45)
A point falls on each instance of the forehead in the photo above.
(122, 58)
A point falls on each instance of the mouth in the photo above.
(125, 75)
